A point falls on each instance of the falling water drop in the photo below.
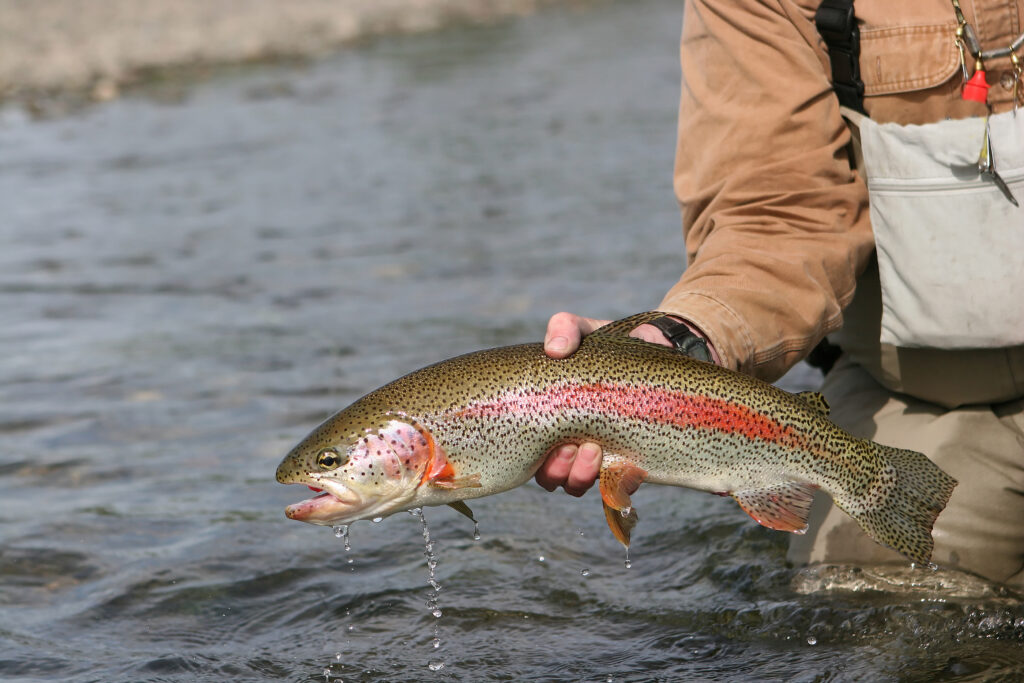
(341, 532)
(378, 520)
(540, 558)
(811, 640)
(435, 587)
(628, 563)
(476, 531)
(585, 572)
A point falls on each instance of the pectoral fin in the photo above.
(618, 482)
(783, 507)
(462, 509)
(440, 472)
(452, 482)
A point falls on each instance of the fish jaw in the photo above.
(340, 505)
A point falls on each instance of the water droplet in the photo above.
(579, 531)
(628, 563)
(341, 532)
(378, 520)
(435, 665)
(350, 629)
(435, 587)
(476, 531)
(811, 640)
(416, 512)
(540, 559)
(626, 510)
(327, 674)
(585, 572)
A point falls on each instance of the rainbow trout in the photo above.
(482, 423)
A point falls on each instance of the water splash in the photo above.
(435, 587)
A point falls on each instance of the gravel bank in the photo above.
(93, 47)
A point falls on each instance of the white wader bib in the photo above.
(950, 244)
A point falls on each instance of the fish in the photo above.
(482, 423)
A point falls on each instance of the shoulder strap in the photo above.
(838, 27)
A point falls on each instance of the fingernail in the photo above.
(557, 344)
(567, 452)
(589, 452)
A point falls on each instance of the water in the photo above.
(194, 276)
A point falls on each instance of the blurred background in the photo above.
(224, 221)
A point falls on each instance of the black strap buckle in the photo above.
(837, 25)
(682, 338)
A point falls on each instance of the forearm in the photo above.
(775, 219)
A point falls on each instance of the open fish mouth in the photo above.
(332, 506)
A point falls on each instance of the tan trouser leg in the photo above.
(982, 528)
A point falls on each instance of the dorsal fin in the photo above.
(622, 328)
(816, 400)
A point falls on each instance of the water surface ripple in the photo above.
(193, 276)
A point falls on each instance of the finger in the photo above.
(652, 334)
(564, 332)
(585, 467)
(556, 467)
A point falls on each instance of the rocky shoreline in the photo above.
(92, 48)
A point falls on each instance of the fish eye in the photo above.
(330, 459)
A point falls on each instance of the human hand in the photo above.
(566, 330)
(575, 468)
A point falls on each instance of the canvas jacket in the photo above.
(775, 218)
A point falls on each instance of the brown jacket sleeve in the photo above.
(776, 222)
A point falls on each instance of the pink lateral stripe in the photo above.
(640, 403)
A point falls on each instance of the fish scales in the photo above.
(482, 423)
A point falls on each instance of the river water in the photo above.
(193, 276)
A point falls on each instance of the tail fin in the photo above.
(902, 503)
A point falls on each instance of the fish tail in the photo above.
(899, 508)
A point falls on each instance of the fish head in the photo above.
(361, 471)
